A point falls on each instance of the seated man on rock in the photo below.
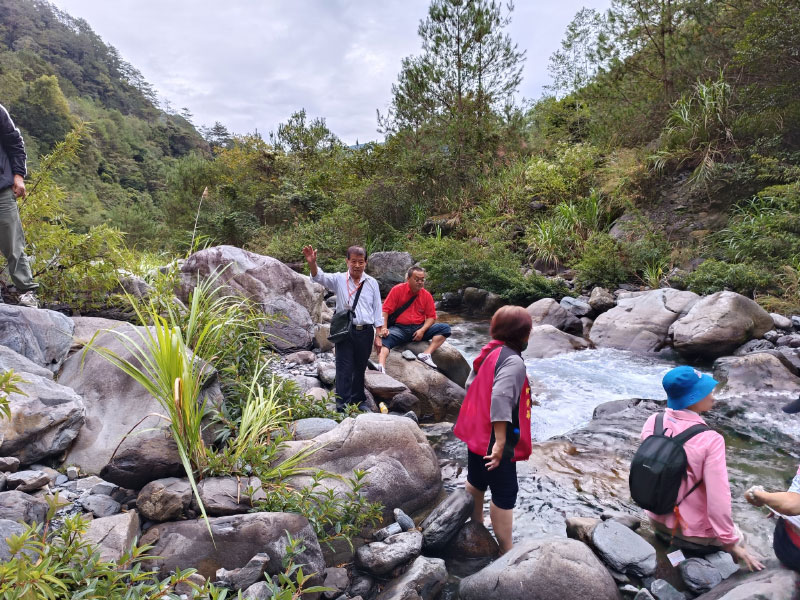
(410, 314)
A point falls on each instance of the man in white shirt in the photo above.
(352, 354)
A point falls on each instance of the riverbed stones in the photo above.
(623, 550)
(641, 320)
(699, 575)
(389, 268)
(301, 357)
(11, 360)
(446, 519)
(382, 386)
(43, 336)
(381, 558)
(100, 505)
(27, 481)
(187, 544)
(164, 499)
(723, 562)
(223, 496)
(773, 584)
(580, 528)
(337, 579)
(9, 464)
(45, 418)
(780, 321)
(546, 341)
(424, 580)
(19, 506)
(473, 540)
(549, 312)
(244, 577)
(7, 529)
(544, 569)
(579, 307)
(448, 360)
(273, 286)
(308, 429)
(327, 373)
(601, 300)
(114, 535)
(753, 346)
(663, 590)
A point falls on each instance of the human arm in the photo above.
(718, 490)
(18, 187)
(786, 503)
(13, 144)
(493, 459)
(377, 308)
(317, 274)
(383, 330)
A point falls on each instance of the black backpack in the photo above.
(658, 469)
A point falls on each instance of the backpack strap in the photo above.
(394, 316)
(658, 428)
(684, 437)
(358, 295)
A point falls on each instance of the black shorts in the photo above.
(502, 481)
(785, 550)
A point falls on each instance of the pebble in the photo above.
(663, 590)
(72, 473)
(403, 519)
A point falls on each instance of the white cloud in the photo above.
(251, 63)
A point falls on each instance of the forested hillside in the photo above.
(667, 152)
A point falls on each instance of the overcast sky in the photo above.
(251, 63)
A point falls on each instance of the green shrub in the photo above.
(602, 263)
(713, 276)
(567, 175)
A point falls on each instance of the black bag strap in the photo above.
(402, 309)
(658, 429)
(358, 293)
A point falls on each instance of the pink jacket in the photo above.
(706, 512)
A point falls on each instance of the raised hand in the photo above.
(310, 255)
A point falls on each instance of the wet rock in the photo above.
(448, 359)
(641, 320)
(722, 562)
(114, 535)
(718, 324)
(164, 499)
(549, 312)
(382, 386)
(11, 360)
(308, 429)
(22, 507)
(7, 529)
(223, 496)
(27, 481)
(473, 540)
(40, 335)
(404, 402)
(403, 471)
(547, 569)
(327, 373)
(403, 519)
(424, 580)
(45, 418)
(643, 594)
(546, 341)
(579, 307)
(580, 528)
(185, 544)
(9, 464)
(601, 300)
(446, 519)
(780, 584)
(587, 326)
(389, 268)
(390, 529)
(244, 577)
(361, 584)
(623, 550)
(780, 322)
(663, 590)
(100, 505)
(699, 575)
(753, 346)
(380, 558)
(336, 578)
(790, 357)
(630, 521)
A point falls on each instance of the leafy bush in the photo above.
(713, 276)
(567, 175)
(602, 263)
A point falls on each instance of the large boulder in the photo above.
(546, 341)
(223, 496)
(549, 312)
(236, 539)
(164, 499)
(780, 584)
(623, 550)
(439, 396)
(546, 569)
(389, 268)
(273, 286)
(380, 558)
(13, 361)
(114, 535)
(402, 468)
(43, 336)
(116, 407)
(423, 581)
(445, 520)
(45, 418)
(718, 324)
(22, 507)
(641, 320)
(447, 357)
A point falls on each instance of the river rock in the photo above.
(258, 591)
(337, 579)
(722, 562)
(45, 419)
(446, 519)
(308, 429)
(447, 358)
(302, 357)
(9, 464)
(380, 558)
(164, 499)
(643, 594)
(100, 505)
(10, 360)
(549, 312)
(27, 481)
(601, 300)
(269, 283)
(389, 268)
(19, 506)
(236, 539)
(405, 402)
(780, 584)
(546, 569)
(580, 528)
(663, 590)
(780, 321)
(43, 336)
(402, 468)
(546, 341)
(423, 581)
(630, 521)
(623, 550)
(579, 307)
(223, 496)
(7, 529)
(321, 341)
(438, 395)
(641, 320)
(753, 346)
(473, 540)
(718, 324)
(382, 386)
(699, 575)
(474, 298)
(114, 535)
(116, 405)
(244, 577)
(791, 340)
(327, 373)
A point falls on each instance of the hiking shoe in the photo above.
(381, 369)
(28, 299)
(426, 358)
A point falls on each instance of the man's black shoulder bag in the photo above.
(393, 317)
(342, 321)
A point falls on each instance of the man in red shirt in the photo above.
(409, 315)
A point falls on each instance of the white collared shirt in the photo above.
(369, 308)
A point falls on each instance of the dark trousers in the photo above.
(351, 362)
(785, 550)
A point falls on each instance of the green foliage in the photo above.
(9, 384)
(565, 176)
(602, 263)
(43, 111)
(713, 276)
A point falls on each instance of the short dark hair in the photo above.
(412, 269)
(357, 250)
(511, 325)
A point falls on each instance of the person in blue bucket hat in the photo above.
(703, 517)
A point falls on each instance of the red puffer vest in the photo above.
(474, 425)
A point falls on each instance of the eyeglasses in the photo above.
(418, 280)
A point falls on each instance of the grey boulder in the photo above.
(22, 507)
(446, 519)
(423, 581)
(100, 505)
(601, 300)
(546, 341)
(308, 429)
(389, 268)
(699, 575)
(11, 360)
(780, 584)
(7, 529)
(27, 481)
(549, 312)
(43, 336)
(164, 499)
(381, 558)
(223, 496)
(114, 535)
(623, 550)
(449, 361)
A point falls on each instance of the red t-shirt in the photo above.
(422, 308)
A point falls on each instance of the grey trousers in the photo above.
(12, 242)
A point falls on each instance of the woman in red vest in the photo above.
(495, 420)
